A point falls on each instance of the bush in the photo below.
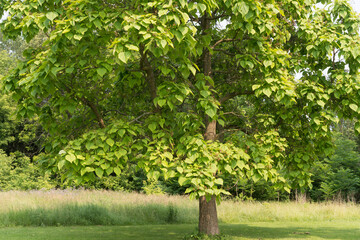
(17, 172)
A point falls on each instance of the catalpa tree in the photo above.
(197, 90)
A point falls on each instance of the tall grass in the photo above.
(231, 212)
(85, 207)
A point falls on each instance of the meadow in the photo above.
(85, 214)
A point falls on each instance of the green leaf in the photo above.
(70, 157)
(357, 127)
(182, 3)
(179, 98)
(180, 169)
(156, 175)
(244, 9)
(152, 127)
(99, 172)
(51, 15)
(101, 71)
(161, 102)
(120, 153)
(321, 103)
(201, 7)
(205, 93)
(69, 70)
(182, 180)
(221, 122)
(210, 112)
(192, 69)
(61, 164)
(267, 92)
(78, 37)
(240, 164)
(124, 56)
(109, 170)
(178, 35)
(121, 132)
(208, 197)
(219, 181)
(98, 23)
(110, 142)
(268, 63)
(132, 47)
(102, 14)
(168, 155)
(117, 171)
(228, 168)
(354, 107)
(256, 86)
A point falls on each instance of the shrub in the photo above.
(17, 172)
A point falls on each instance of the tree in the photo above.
(340, 173)
(25, 135)
(195, 90)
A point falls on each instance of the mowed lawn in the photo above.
(246, 231)
(93, 215)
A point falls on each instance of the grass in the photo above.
(83, 207)
(83, 214)
(247, 231)
(80, 207)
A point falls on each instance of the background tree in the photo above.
(25, 135)
(200, 91)
(338, 177)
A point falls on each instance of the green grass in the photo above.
(80, 214)
(247, 231)
(80, 207)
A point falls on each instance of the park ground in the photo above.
(80, 214)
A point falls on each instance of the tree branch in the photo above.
(95, 110)
(224, 40)
(234, 94)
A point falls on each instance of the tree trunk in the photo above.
(208, 220)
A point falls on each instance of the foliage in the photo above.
(7, 122)
(26, 135)
(338, 177)
(18, 173)
(6, 62)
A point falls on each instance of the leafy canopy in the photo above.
(121, 81)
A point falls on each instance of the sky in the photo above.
(356, 5)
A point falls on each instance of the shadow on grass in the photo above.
(144, 232)
(251, 231)
(293, 230)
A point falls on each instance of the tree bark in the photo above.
(208, 221)
(95, 111)
(149, 72)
